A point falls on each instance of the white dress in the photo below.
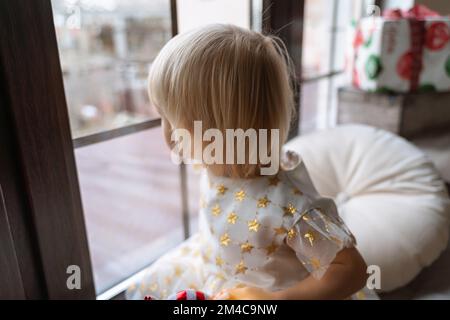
(269, 232)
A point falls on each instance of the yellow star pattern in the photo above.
(246, 247)
(220, 276)
(225, 240)
(315, 263)
(291, 234)
(216, 210)
(213, 285)
(271, 248)
(253, 225)
(240, 195)
(290, 209)
(232, 217)
(240, 267)
(280, 231)
(153, 287)
(219, 261)
(185, 250)
(274, 181)
(206, 255)
(168, 280)
(177, 271)
(263, 202)
(221, 189)
(310, 236)
(360, 295)
(192, 286)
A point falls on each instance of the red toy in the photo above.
(189, 294)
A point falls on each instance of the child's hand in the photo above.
(245, 293)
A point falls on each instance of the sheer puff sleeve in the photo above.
(318, 235)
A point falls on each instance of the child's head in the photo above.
(228, 78)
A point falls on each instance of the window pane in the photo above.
(313, 105)
(316, 37)
(195, 13)
(319, 30)
(132, 203)
(105, 48)
(326, 42)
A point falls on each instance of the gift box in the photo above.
(402, 51)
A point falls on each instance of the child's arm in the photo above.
(344, 276)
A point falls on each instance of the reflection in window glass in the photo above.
(132, 203)
(105, 48)
(325, 49)
(195, 13)
(318, 32)
(316, 37)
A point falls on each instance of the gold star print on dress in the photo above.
(221, 189)
(219, 261)
(232, 217)
(310, 236)
(264, 232)
(271, 248)
(263, 202)
(280, 231)
(290, 209)
(168, 280)
(253, 225)
(225, 240)
(291, 234)
(177, 271)
(246, 247)
(153, 287)
(240, 195)
(315, 263)
(216, 210)
(240, 268)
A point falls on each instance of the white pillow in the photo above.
(388, 193)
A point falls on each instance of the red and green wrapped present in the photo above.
(402, 51)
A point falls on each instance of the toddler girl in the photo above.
(260, 237)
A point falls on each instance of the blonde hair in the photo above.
(228, 78)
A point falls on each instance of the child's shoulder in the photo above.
(295, 174)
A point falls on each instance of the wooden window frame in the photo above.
(35, 106)
(275, 14)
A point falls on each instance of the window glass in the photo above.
(326, 40)
(105, 48)
(132, 203)
(130, 189)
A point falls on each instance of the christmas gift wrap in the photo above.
(435, 73)
(402, 52)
